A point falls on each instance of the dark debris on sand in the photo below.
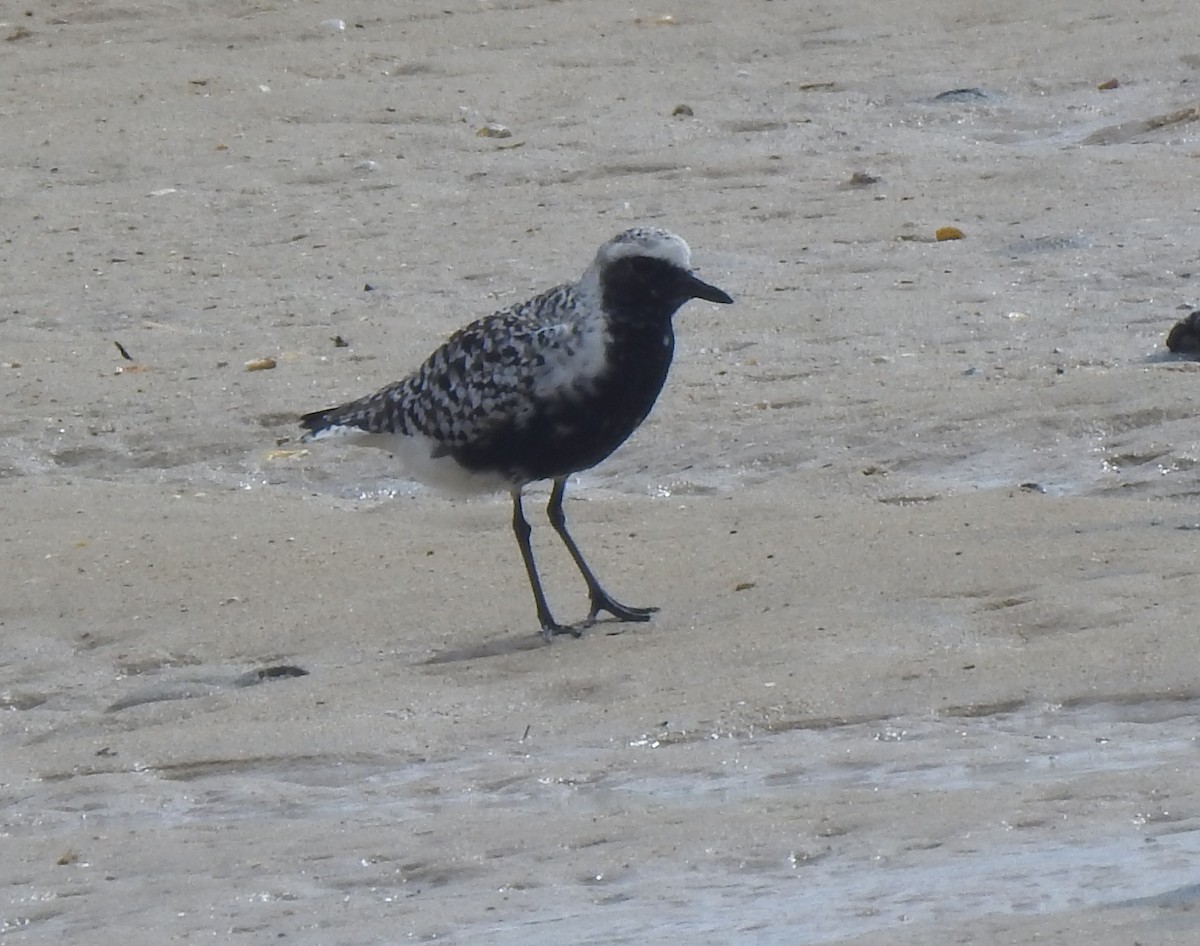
(1184, 337)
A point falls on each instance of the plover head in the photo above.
(649, 270)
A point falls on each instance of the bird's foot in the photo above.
(600, 602)
(622, 612)
(551, 629)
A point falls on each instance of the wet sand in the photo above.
(920, 516)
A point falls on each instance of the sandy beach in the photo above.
(920, 514)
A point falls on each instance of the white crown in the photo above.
(644, 241)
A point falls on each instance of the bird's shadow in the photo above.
(493, 648)
(511, 645)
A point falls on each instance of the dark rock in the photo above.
(1184, 337)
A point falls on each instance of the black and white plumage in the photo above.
(540, 390)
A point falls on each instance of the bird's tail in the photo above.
(367, 418)
(346, 420)
(318, 424)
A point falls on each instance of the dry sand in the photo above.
(893, 695)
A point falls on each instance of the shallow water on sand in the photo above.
(1046, 809)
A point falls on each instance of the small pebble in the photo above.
(260, 364)
(961, 95)
(493, 130)
(948, 233)
(682, 110)
(1108, 85)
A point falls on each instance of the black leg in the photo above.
(601, 600)
(521, 529)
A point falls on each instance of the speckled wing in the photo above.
(486, 376)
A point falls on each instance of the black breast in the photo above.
(565, 435)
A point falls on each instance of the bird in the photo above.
(539, 390)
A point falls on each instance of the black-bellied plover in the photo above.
(538, 391)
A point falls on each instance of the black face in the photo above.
(653, 286)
